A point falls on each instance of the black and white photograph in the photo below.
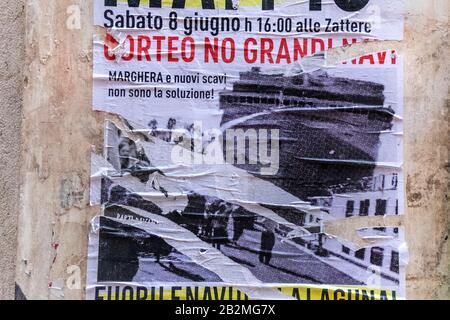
(255, 243)
(330, 133)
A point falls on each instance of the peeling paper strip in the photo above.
(108, 290)
(201, 254)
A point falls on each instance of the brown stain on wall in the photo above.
(59, 130)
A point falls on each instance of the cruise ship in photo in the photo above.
(329, 127)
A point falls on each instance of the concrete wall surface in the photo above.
(12, 31)
(59, 130)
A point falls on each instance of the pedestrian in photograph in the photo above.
(130, 157)
(267, 242)
(242, 220)
(218, 214)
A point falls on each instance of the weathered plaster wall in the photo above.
(12, 30)
(59, 129)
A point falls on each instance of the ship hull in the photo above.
(320, 150)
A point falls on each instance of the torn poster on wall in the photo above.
(236, 143)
